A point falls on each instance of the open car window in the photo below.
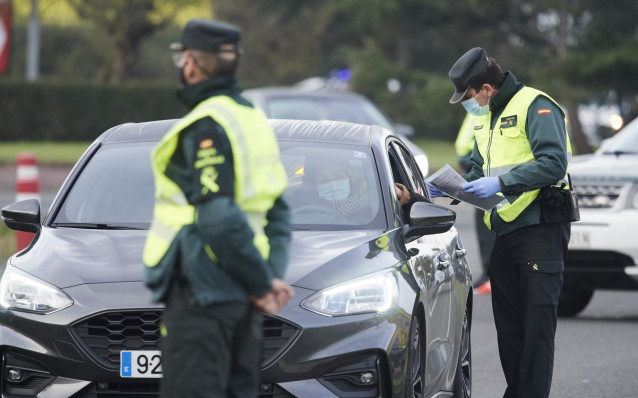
(412, 170)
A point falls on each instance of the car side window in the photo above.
(399, 175)
(412, 170)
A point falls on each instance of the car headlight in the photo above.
(372, 293)
(23, 292)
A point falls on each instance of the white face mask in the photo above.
(334, 190)
(473, 108)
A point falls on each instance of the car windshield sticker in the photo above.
(359, 155)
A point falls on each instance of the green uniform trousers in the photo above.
(526, 273)
(211, 351)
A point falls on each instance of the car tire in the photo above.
(573, 301)
(415, 373)
(463, 378)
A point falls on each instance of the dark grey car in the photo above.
(383, 299)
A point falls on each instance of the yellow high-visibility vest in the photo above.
(464, 143)
(512, 148)
(259, 175)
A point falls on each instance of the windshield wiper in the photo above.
(92, 225)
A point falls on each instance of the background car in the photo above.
(603, 253)
(382, 304)
(297, 102)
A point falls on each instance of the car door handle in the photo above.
(460, 253)
(442, 260)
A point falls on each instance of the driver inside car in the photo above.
(337, 187)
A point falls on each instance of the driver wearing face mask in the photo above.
(337, 190)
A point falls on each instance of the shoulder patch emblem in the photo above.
(544, 111)
(208, 179)
(207, 143)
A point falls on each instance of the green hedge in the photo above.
(79, 112)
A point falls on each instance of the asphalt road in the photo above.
(596, 352)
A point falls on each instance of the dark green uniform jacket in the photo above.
(220, 222)
(547, 139)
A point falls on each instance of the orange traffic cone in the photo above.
(27, 187)
(485, 288)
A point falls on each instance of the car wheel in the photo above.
(573, 301)
(416, 362)
(463, 378)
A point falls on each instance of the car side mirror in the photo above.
(428, 218)
(23, 215)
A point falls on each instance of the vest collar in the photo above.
(510, 86)
(193, 94)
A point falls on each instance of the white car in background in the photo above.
(603, 249)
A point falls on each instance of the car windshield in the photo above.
(114, 189)
(326, 108)
(626, 140)
(330, 188)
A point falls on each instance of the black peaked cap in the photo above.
(465, 69)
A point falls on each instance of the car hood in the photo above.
(68, 257)
(600, 167)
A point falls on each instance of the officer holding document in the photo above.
(521, 153)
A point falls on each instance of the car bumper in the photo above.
(602, 251)
(322, 355)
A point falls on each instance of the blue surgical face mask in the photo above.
(473, 108)
(334, 190)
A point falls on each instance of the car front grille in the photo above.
(598, 194)
(104, 335)
(151, 389)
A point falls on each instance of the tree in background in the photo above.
(128, 24)
(576, 50)
(282, 39)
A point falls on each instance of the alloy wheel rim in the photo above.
(466, 359)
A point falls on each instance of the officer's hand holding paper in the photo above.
(483, 187)
(480, 193)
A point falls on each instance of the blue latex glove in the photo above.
(483, 187)
(435, 193)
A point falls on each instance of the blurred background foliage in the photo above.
(398, 51)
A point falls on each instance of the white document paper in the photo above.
(448, 181)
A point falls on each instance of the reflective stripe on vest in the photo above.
(513, 148)
(259, 175)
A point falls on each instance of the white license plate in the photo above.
(141, 364)
(579, 240)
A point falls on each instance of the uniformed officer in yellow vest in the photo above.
(521, 152)
(218, 243)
